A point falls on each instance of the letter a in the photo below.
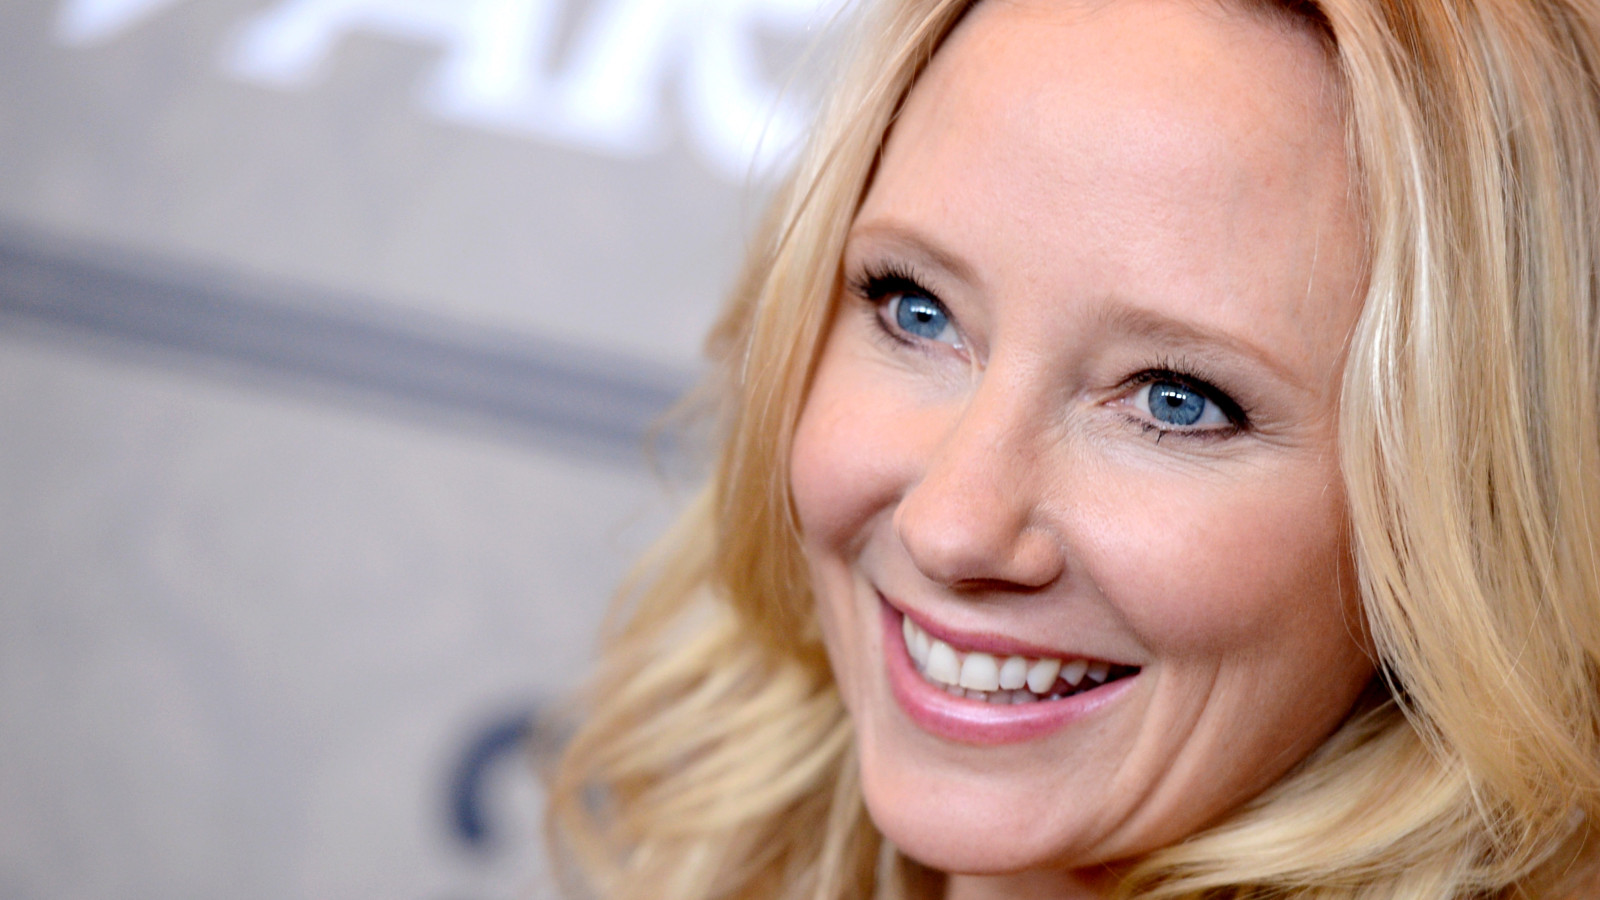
(489, 45)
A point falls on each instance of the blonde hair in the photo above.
(716, 759)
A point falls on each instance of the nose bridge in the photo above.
(973, 517)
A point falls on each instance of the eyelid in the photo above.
(880, 283)
(1238, 419)
(877, 282)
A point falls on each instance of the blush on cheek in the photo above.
(826, 489)
(820, 481)
(832, 594)
(850, 457)
(1215, 577)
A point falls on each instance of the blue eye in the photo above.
(922, 317)
(1179, 405)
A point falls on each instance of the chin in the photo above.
(958, 849)
(981, 826)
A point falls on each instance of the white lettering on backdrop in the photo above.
(84, 22)
(498, 69)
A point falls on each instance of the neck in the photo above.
(1039, 885)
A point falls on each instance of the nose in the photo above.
(975, 518)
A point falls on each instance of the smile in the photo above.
(1012, 679)
(926, 675)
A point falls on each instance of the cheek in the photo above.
(1244, 595)
(1255, 569)
(822, 480)
(843, 481)
(849, 461)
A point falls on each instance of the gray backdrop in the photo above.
(329, 330)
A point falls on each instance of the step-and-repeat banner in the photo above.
(330, 335)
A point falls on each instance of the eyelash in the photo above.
(1165, 372)
(877, 284)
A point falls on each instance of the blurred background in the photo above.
(329, 333)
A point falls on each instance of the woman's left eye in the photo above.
(1175, 405)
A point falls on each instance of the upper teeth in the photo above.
(976, 671)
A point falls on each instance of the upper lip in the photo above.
(989, 642)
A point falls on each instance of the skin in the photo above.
(1092, 191)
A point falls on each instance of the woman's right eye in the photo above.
(921, 317)
(903, 309)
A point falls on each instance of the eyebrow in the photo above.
(909, 241)
(1134, 321)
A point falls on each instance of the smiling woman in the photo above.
(1090, 422)
(1162, 459)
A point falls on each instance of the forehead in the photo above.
(1172, 155)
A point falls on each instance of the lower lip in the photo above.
(974, 721)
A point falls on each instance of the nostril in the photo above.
(962, 539)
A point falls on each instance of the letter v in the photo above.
(82, 23)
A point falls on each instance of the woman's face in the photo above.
(1076, 421)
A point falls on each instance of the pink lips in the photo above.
(973, 721)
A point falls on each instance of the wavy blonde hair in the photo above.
(715, 759)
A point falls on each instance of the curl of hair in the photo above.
(716, 760)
